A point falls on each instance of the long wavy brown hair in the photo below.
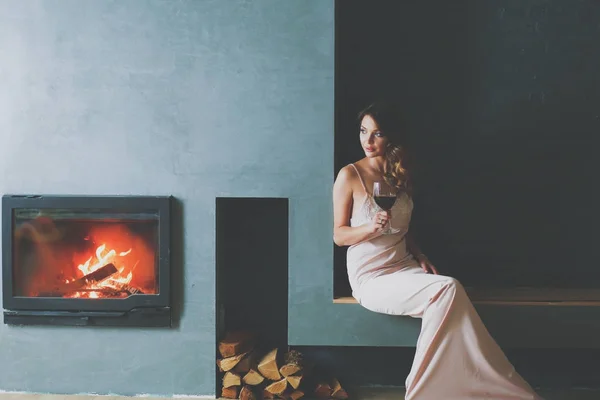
(392, 126)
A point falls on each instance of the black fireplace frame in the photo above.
(139, 310)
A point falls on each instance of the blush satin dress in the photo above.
(456, 358)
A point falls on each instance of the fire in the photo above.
(115, 282)
(89, 259)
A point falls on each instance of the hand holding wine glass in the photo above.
(385, 197)
(379, 221)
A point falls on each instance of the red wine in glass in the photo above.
(385, 199)
(385, 202)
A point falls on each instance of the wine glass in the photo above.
(385, 198)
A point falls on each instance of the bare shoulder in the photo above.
(346, 177)
(346, 173)
(343, 193)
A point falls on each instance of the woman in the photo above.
(455, 358)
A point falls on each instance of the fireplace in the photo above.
(86, 260)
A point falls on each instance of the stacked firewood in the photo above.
(249, 373)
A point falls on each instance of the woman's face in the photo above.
(371, 138)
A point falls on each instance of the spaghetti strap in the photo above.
(360, 178)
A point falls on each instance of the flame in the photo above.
(116, 282)
(53, 258)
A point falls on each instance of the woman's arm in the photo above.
(343, 233)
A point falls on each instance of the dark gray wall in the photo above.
(196, 99)
(502, 104)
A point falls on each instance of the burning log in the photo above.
(93, 277)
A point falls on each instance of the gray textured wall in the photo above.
(197, 99)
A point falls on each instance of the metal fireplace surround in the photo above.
(137, 308)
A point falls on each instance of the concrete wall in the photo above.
(195, 99)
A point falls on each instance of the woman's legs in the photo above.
(455, 358)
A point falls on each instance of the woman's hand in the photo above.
(426, 264)
(379, 221)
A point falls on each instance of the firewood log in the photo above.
(231, 379)
(226, 364)
(236, 342)
(289, 369)
(294, 380)
(268, 365)
(292, 363)
(323, 390)
(93, 277)
(247, 393)
(291, 394)
(337, 392)
(296, 394)
(253, 378)
(278, 387)
(247, 363)
(230, 392)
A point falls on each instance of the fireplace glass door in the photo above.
(84, 254)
